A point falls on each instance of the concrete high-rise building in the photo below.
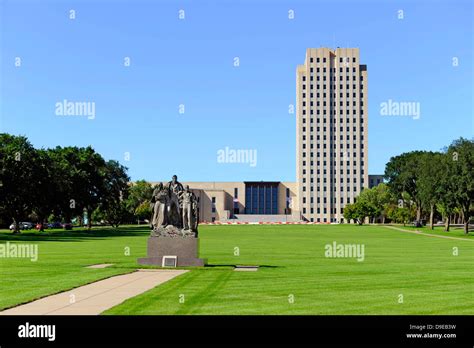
(331, 151)
(331, 132)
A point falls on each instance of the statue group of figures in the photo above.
(175, 210)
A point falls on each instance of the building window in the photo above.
(213, 200)
(261, 197)
(288, 199)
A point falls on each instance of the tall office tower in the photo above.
(331, 132)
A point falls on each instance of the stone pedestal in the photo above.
(186, 249)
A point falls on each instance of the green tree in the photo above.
(402, 215)
(447, 202)
(138, 201)
(377, 198)
(114, 194)
(461, 169)
(143, 211)
(80, 173)
(46, 193)
(369, 198)
(430, 181)
(18, 179)
(358, 211)
(385, 198)
(350, 212)
(403, 173)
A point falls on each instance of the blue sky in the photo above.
(191, 62)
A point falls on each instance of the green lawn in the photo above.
(292, 266)
(62, 258)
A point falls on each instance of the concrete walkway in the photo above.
(427, 234)
(95, 298)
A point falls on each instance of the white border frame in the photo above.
(174, 257)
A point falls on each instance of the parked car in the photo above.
(23, 226)
(419, 223)
(67, 226)
(38, 225)
(55, 225)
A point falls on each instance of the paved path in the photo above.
(94, 298)
(427, 234)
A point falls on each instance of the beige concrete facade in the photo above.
(221, 201)
(331, 132)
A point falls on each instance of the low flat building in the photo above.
(375, 179)
(248, 201)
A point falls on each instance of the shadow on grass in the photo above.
(77, 235)
(259, 266)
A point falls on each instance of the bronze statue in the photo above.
(174, 185)
(175, 210)
(159, 203)
(188, 202)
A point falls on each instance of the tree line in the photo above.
(422, 185)
(66, 183)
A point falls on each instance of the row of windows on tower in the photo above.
(332, 86)
(335, 170)
(334, 129)
(331, 78)
(341, 95)
(334, 164)
(341, 129)
(341, 145)
(348, 180)
(341, 171)
(333, 70)
(341, 59)
(341, 120)
(325, 200)
(335, 189)
(341, 103)
(342, 155)
(341, 138)
(334, 211)
(318, 146)
(333, 104)
(318, 154)
(334, 180)
(333, 113)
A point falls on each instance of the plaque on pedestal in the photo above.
(186, 251)
(174, 223)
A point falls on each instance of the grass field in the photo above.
(294, 276)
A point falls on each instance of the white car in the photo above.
(23, 226)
